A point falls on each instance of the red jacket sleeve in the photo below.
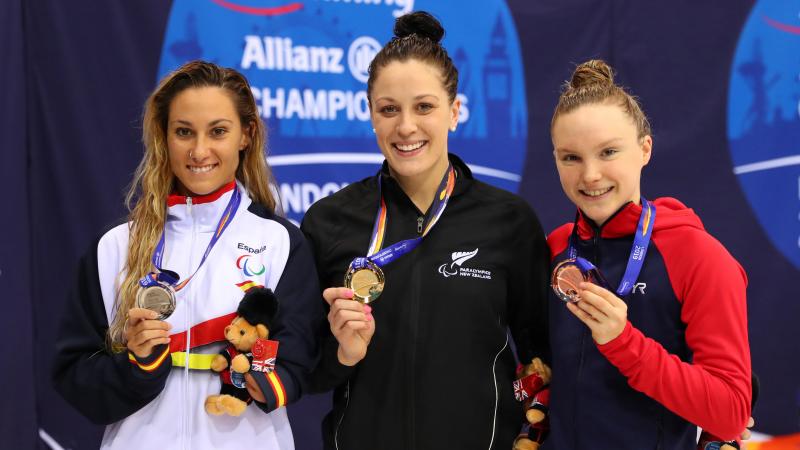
(558, 239)
(714, 391)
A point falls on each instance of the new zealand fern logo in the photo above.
(459, 258)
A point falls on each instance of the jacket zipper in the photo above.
(595, 244)
(187, 326)
(414, 338)
(577, 388)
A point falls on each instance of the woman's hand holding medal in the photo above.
(351, 323)
(602, 311)
(143, 331)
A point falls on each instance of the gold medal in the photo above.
(159, 298)
(366, 282)
(565, 280)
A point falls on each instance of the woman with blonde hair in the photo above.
(201, 232)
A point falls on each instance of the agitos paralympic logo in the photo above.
(242, 264)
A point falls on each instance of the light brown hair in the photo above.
(593, 82)
(154, 180)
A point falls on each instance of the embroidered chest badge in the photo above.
(456, 266)
(250, 266)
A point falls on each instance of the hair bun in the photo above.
(420, 23)
(594, 71)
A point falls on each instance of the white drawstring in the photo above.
(496, 394)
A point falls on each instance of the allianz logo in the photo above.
(282, 54)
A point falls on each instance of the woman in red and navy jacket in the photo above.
(643, 366)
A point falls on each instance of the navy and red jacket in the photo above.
(683, 359)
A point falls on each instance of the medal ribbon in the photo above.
(171, 278)
(641, 241)
(394, 251)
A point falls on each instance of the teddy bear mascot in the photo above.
(247, 333)
(531, 388)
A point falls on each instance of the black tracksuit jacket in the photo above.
(439, 370)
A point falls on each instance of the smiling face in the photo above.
(204, 138)
(599, 158)
(412, 114)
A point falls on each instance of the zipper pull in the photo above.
(420, 219)
(189, 204)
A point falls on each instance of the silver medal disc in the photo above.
(158, 298)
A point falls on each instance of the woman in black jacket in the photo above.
(452, 264)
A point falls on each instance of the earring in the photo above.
(453, 128)
(373, 131)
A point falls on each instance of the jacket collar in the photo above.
(202, 214)
(177, 199)
(622, 223)
(464, 177)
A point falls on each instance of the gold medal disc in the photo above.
(158, 298)
(367, 282)
(565, 281)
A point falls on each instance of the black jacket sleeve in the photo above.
(105, 387)
(329, 373)
(300, 315)
(528, 286)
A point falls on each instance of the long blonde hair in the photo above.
(154, 180)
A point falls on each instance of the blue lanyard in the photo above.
(641, 241)
(171, 278)
(394, 251)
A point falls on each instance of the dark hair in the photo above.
(593, 82)
(416, 36)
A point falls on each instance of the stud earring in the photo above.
(453, 128)
(373, 130)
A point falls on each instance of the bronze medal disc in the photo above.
(367, 283)
(565, 280)
(158, 298)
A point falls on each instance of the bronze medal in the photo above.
(159, 298)
(367, 282)
(565, 280)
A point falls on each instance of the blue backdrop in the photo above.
(719, 82)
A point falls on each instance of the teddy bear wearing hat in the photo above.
(251, 325)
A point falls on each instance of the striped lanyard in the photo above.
(163, 276)
(394, 251)
(641, 241)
